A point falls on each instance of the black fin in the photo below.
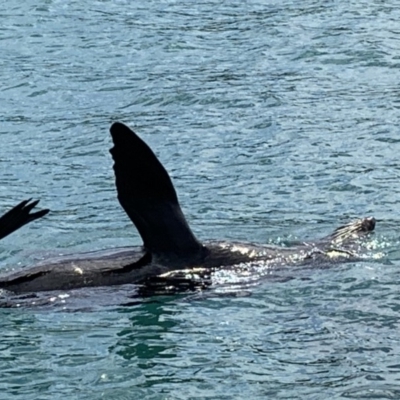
(146, 193)
(19, 216)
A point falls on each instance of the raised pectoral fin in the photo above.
(146, 193)
(19, 216)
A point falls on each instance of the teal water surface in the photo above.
(278, 121)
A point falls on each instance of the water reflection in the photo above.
(147, 338)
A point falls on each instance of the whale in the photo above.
(170, 248)
(19, 216)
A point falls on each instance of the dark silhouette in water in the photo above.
(146, 193)
(18, 216)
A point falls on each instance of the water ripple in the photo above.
(278, 121)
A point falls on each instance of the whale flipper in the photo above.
(19, 216)
(146, 193)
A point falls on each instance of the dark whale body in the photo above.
(146, 193)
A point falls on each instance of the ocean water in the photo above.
(277, 121)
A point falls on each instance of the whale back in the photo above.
(146, 193)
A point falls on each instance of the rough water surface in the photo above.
(278, 121)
